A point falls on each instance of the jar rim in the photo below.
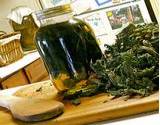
(53, 12)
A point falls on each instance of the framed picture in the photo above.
(101, 2)
(109, 3)
(52, 3)
(118, 18)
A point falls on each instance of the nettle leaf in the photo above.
(131, 65)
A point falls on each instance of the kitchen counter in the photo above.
(151, 118)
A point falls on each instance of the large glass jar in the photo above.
(66, 45)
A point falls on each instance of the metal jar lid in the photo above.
(50, 13)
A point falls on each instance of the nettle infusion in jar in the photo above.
(66, 45)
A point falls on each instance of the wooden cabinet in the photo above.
(34, 72)
(17, 79)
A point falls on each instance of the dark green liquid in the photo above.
(68, 48)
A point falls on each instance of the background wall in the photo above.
(7, 5)
(155, 6)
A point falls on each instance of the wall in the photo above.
(155, 6)
(7, 5)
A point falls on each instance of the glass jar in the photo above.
(66, 45)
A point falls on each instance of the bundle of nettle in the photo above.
(130, 67)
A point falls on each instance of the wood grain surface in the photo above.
(92, 109)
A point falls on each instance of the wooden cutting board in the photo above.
(92, 109)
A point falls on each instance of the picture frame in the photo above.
(101, 2)
(52, 3)
(121, 17)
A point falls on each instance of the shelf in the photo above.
(14, 67)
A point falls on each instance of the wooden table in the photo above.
(92, 109)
